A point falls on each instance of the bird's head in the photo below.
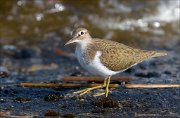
(80, 35)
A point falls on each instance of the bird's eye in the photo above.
(82, 33)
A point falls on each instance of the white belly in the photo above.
(95, 67)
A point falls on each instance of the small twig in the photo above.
(132, 86)
(129, 86)
(64, 85)
(96, 79)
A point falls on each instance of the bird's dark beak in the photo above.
(70, 41)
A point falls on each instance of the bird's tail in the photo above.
(158, 54)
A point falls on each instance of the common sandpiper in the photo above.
(105, 58)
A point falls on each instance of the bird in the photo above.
(105, 58)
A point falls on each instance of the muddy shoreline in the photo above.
(127, 102)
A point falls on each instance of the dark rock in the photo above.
(53, 97)
(76, 73)
(148, 75)
(106, 103)
(11, 92)
(51, 113)
(153, 74)
(6, 91)
(69, 115)
(167, 72)
(22, 100)
(23, 54)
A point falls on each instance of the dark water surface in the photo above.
(132, 22)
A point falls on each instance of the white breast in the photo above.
(95, 67)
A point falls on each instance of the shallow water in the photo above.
(133, 22)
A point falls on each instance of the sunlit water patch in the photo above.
(167, 12)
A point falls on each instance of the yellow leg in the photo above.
(99, 94)
(84, 91)
(107, 88)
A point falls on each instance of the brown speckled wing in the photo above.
(116, 56)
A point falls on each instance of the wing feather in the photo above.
(116, 56)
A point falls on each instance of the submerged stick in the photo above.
(96, 79)
(63, 85)
(132, 86)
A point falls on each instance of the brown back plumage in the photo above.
(116, 56)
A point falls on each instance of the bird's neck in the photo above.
(84, 43)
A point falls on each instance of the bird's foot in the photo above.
(84, 91)
(99, 94)
(103, 93)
